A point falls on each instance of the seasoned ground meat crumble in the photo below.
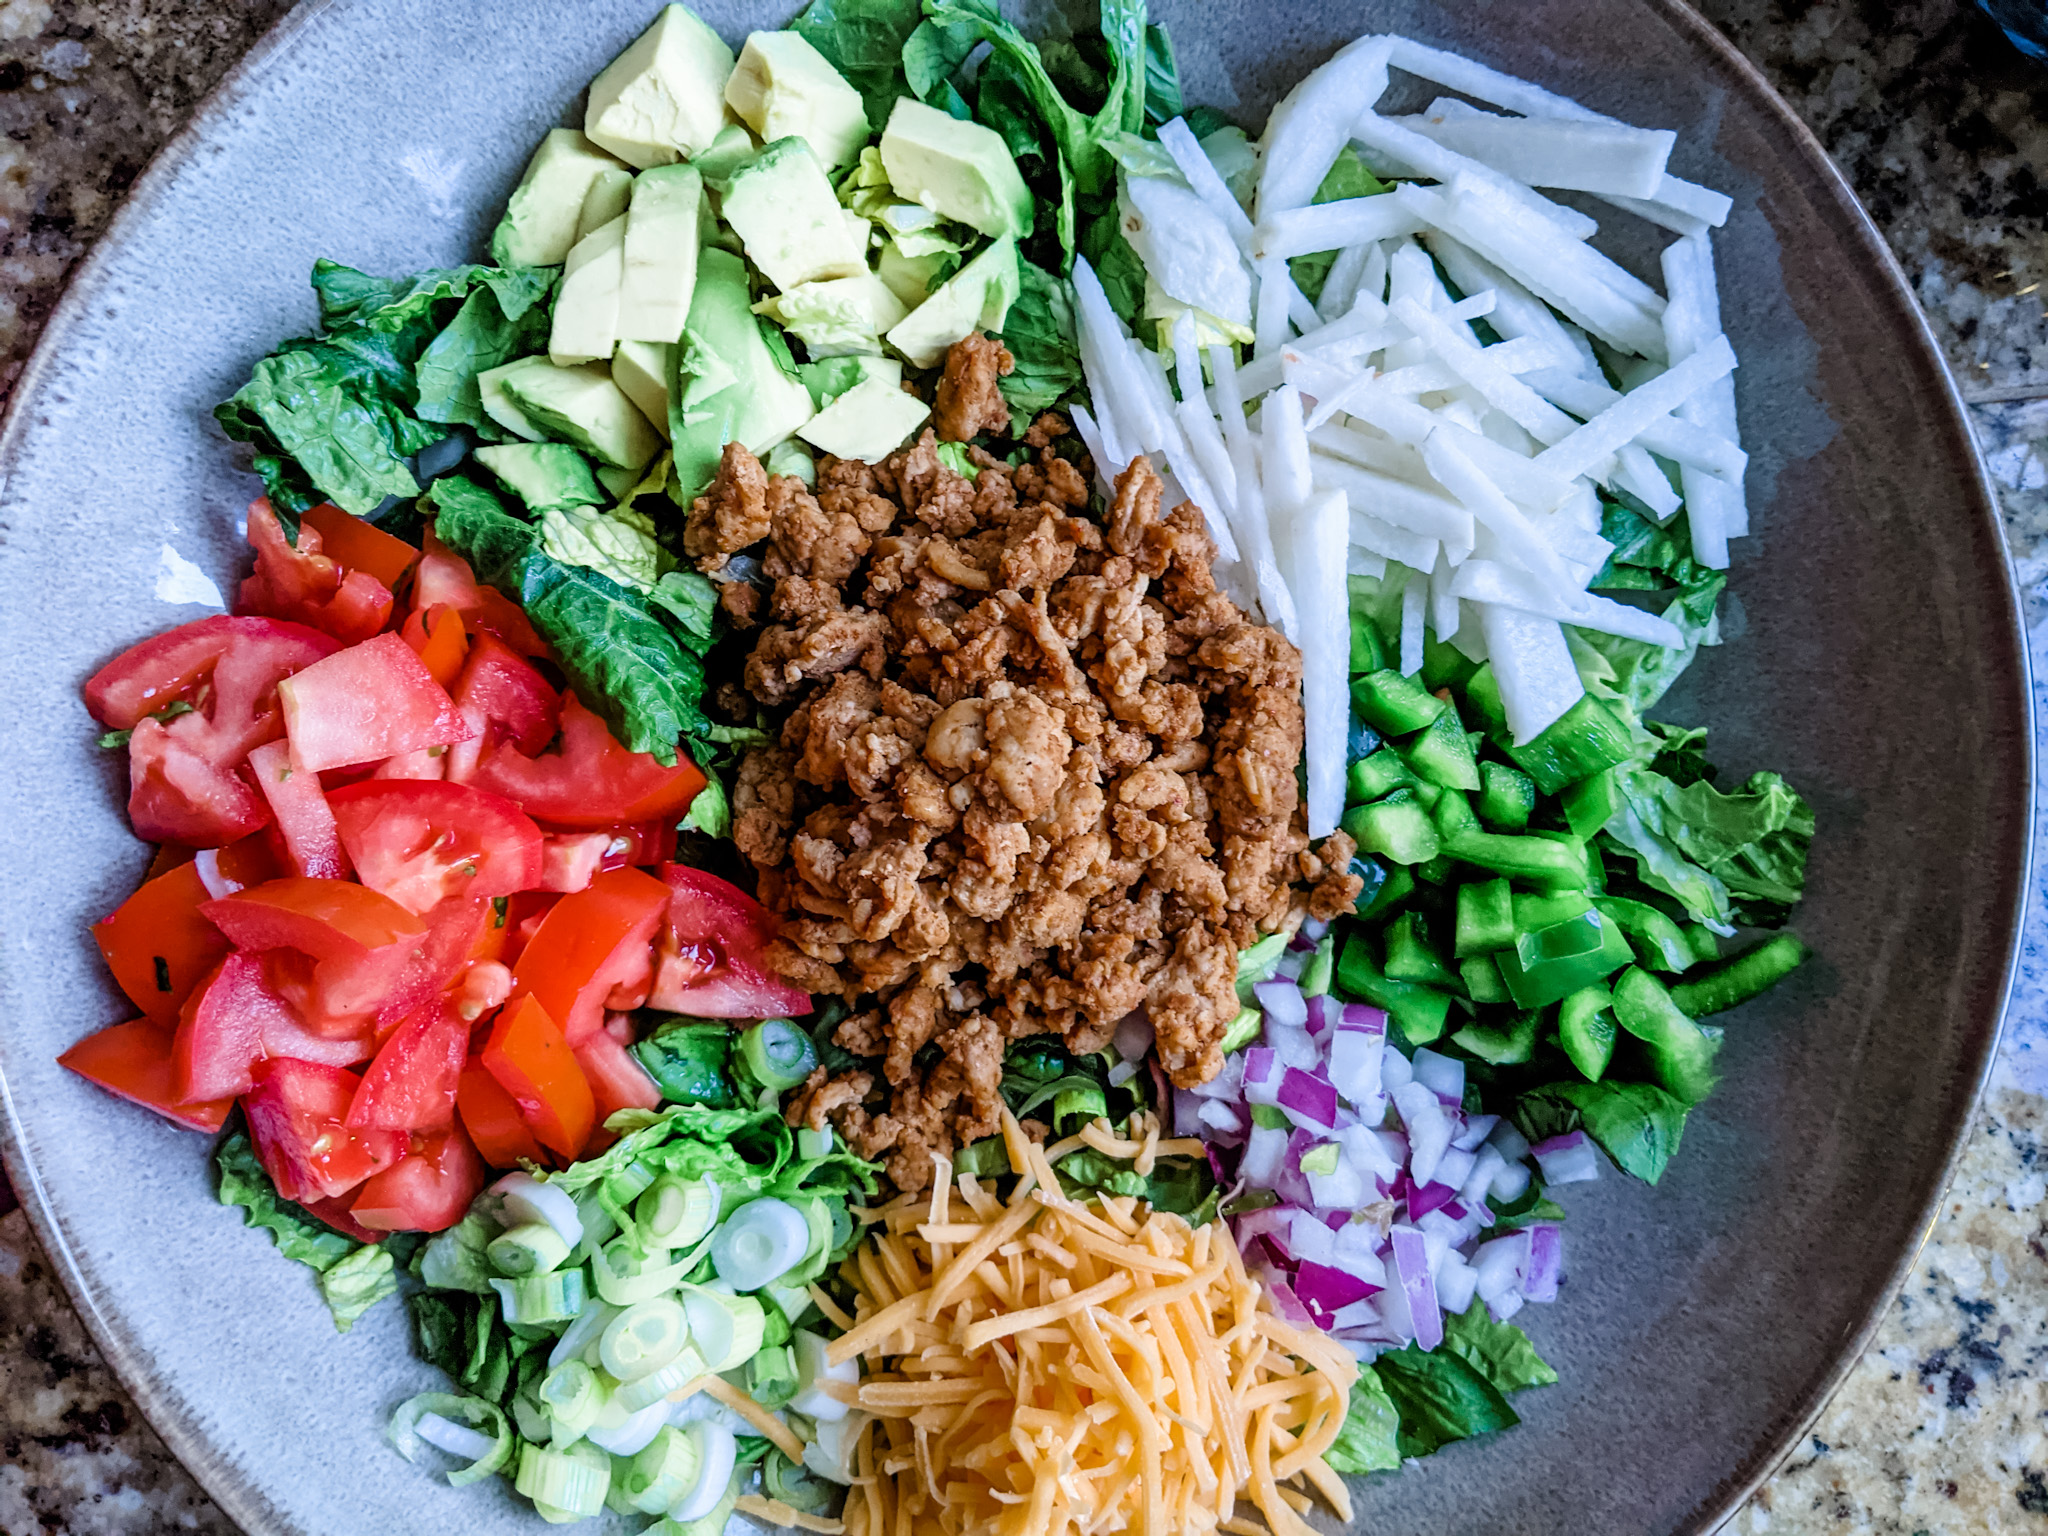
(1035, 770)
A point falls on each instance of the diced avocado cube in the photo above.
(734, 147)
(543, 475)
(870, 421)
(583, 407)
(607, 198)
(539, 225)
(728, 385)
(664, 97)
(839, 316)
(500, 407)
(642, 369)
(912, 278)
(782, 87)
(957, 169)
(617, 481)
(586, 321)
(660, 271)
(978, 296)
(783, 209)
(831, 377)
(791, 458)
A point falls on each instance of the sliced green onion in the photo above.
(815, 1375)
(778, 1053)
(563, 1480)
(792, 1301)
(599, 1227)
(812, 1144)
(759, 1242)
(726, 1330)
(717, 1450)
(677, 1212)
(555, 1297)
(530, 1419)
(529, 1199)
(626, 1184)
(622, 1433)
(687, 1366)
(626, 1277)
(785, 1480)
(644, 1338)
(466, 1427)
(571, 1394)
(531, 1249)
(583, 1334)
(663, 1472)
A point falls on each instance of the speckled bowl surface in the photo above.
(1878, 665)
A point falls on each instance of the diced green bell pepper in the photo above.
(1681, 1053)
(1442, 754)
(1738, 979)
(1506, 798)
(1592, 802)
(1551, 980)
(1394, 705)
(1486, 918)
(1584, 934)
(1396, 828)
(1452, 816)
(1539, 911)
(1502, 1045)
(1373, 777)
(1397, 886)
(1411, 956)
(1706, 944)
(1444, 665)
(1420, 1012)
(1660, 943)
(1436, 871)
(1482, 980)
(1369, 651)
(1583, 740)
(1585, 1028)
(1537, 859)
(1482, 692)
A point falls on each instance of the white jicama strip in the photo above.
(1414, 614)
(1517, 313)
(1484, 581)
(1443, 602)
(1583, 553)
(1469, 78)
(1187, 469)
(1129, 399)
(1269, 327)
(1098, 446)
(1457, 474)
(1533, 665)
(1485, 371)
(1373, 281)
(1686, 442)
(1371, 451)
(1720, 509)
(1624, 421)
(1520, 479)
(1427, 512)
(1185, 247)
(1401, 419)
(1179, 141)
(1289, 480)
(1187, 361)
(1254, 535)
(1321, 537)
(1573, 156)
(1205, 441)
(1424, 378)
(1408, 150)
(1332, 226)
(1383, 538)
(1683, 206)
(1341, 286)
(1637, 473)
(1308, 129)
(1363, 562)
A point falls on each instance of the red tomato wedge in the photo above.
(420, 842)
(617, 1081)
(445, 577)
(159, 945)
(305, 584)
(439, 638)
(492, 1118)
(356, 545)
(236, 1020)
(425, 1191)
(504, 698)
(369, 702)
(710, 956)
(589, 943)
(296, 1120)
(303, 818)
(133, 1060)
(183, 787)
(411, 1084)
(327, 919)
(533, 1063)
(335, 1213)
(591, 782)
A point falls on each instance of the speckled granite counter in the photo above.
(1942, 1429)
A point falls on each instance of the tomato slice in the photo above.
(304, 584)
(590, 942)
(303, 819)
(445, 577)
(438, 636)
(240, 865)
(420, 842)
(364, 704)
(183, 787)
(617, 1081)
(591, 782)
(532, 1062)
(427, 1190)
(356, 545)
(159, 945)
(504, 698)
(335, 1213)
(327, 919)
(168, 857)
(492, 1118)
(296, 1120)
(133, 1060)
(709, 960)
(237, 1019)
(570, 860)
(411, 1084)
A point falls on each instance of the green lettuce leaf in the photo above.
(1162, 77)
(1369, 1440)
(357, 1284)
(353, 1276)
(1349, 177)
(1729, 858)
(1639, 1125)
(1040, 335)
(1500, 1352)
(1440, 1398)
(618, 544)
(690, 599)
(504, 318)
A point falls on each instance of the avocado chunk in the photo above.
(543, 475)
(499, 406)
(733, 148)
(841, 315)
(540, 221)
(664, 97)
(581, 406)
(586, 322)
(660, 254)
(834, 376)
(642, 369)
(729, 384)
(977, 297)
(959, 170)
(868, 422)
(912, 278)
(782, 208)
(607, 198)
(784, 87)
(791, 458)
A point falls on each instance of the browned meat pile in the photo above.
(1036, 772)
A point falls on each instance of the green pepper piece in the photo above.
(1482, 692)
(1396, 828)
(1411, 956)
(1420, 1012)
(1482, 980)
(1592, 802)
(1579, 743)
(1502, 1045)
(1442, 755)
(1681, 1053)
(1506, 798)
(1373, 777)
(1585, 1028)
(1396, 888)
(1533, 912)
(1486, 918)
(1540, 860)
(1452, 816)
(1436, 871)
(1394, 705)
(1549, 981)
(1444, 665)
(1369, 652)
(1576, 936)
(1706, 944)
(1660, 943)
(1743, 976)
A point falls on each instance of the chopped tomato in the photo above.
(492, 1118)
(237, 1019)
(524, 915)
(420, 842)
(435, 962)
(411, 1084)
(364, 704)
(569, 861)
(356, 545)
(711, 957)
(304, 821)
(168, 857)
(224, 673)
(590, 943)
(133, 1060)
(295, 1115)
(504, 698)
(617, 1080)
(427, 1190)
(591, 782)
(438, 636)
(241, 864)
(327, 919)
(159, 945)
(335, 1213)
(426, 765)
(445, 577)
(532, 1062)
(304, 584)
(642, 843)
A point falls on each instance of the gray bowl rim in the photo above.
(243, 1501)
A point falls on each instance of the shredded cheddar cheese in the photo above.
(1054, 1368)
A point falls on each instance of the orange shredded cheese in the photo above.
(1052, 1368)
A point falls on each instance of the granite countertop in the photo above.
(1942, 1428)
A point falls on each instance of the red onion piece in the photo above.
(1323, 1290)
(1546, 1261)
(1282, 1003)
(1308, 1100)
(1262, 1071)
(1567, 1159)
(1133, 1037)
(1445, 1075)
(1411, 1303)
(1325, 1014)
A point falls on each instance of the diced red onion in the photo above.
(1122, 1073)
(1396, 1071)
(1228, 1084)
(1344, 1190)
(1454, 1167)
(1265, 1152)
(1567, 1159)
(1293, 1045)
(1314, 929)
(1477, 1129)
(1355, 1247)
(1505, 1305)
(1303, 941)
(1501, 1264)
(1133, 1037)
(1292, 1184)
(1510, 1184)
(1487, 1164)
(1358, 1314)
(1428, 1127)
(1287, 1304)
(1356, 1056)
(1429, 1198)
(1364, 1016)
(1509, 1142)
(1292, 963)
(1445, 1075)
(1410, 1302)
(1282, 1003)
(1308, 1099)
(1456, 1283)
(1367, 1149)
(1323, 1290)
(1187, 1113)
(1546, 1261)
(1261, 1075)
(1271, 1222)
(1214, 1118)
(1325, 1013)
